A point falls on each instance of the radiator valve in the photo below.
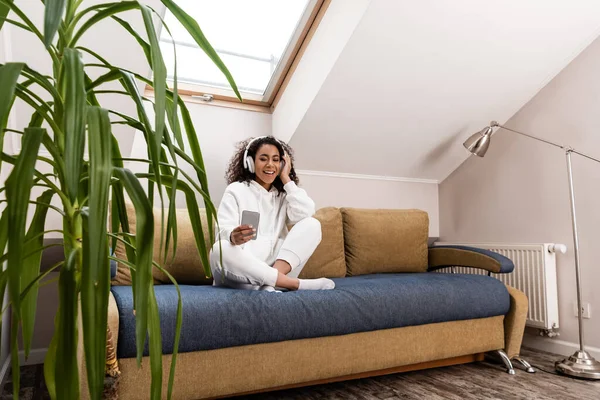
(557, 248)
(551, 333)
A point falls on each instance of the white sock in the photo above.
(267, 288)
(316, 284)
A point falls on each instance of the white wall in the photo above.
(326, 45)
(519, 193)
(357, 192)
(220, 129)
(416, 76)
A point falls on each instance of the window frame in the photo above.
(193, 93)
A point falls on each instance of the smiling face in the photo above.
(266, 165)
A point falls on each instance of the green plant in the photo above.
(73, 115)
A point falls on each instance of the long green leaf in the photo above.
(194, 30)
(74, 120)
(95, 277)
(117, 194)
(144, 242)
(178, 323)
(3, 282)
(91, 97)
(4, 9)
(172, 113)
(9, 74)
(30, 268)
(71, 9)
(3, 230)
(84, 188)
(66, 346)
(171, 219)
(18, 189)
(53, 12)
(155, 344)
(50, 359)
(14, 344)
(3, 240)
(160, 77)
(120, 210)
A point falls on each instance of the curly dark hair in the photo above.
(236, 171)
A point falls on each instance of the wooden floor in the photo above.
(481, 380)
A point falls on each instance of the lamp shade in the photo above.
(479, 142)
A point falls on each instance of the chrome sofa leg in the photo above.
(525, 364)
(506, 361)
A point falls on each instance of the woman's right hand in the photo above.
(242, 234)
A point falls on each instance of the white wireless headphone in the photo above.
(248, 160)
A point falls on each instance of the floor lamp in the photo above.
(581, 364)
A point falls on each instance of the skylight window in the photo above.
(256, 39)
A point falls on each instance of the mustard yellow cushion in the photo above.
(328, 259)
(186, 267)
(378, 241)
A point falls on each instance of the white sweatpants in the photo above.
(243, 270)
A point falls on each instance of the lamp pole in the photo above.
(576, 242)
(581, 364)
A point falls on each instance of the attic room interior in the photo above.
(301, 199)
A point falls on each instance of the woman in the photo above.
(261, 178)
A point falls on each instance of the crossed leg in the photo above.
(243, 270)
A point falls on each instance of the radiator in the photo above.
(534, 274)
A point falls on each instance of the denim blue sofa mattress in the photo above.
(218, 317)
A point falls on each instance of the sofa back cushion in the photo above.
(328, 259)
(186, 267)
(378, 240)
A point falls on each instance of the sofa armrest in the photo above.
(514, 322)
(465, 256)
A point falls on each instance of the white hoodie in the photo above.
(276, 211)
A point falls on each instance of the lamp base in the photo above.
(580, 365)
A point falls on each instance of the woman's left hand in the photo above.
(286, 168)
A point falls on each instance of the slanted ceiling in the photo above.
(417, 77)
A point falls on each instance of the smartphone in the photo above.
(251, 218)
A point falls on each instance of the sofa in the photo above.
(391, 311)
